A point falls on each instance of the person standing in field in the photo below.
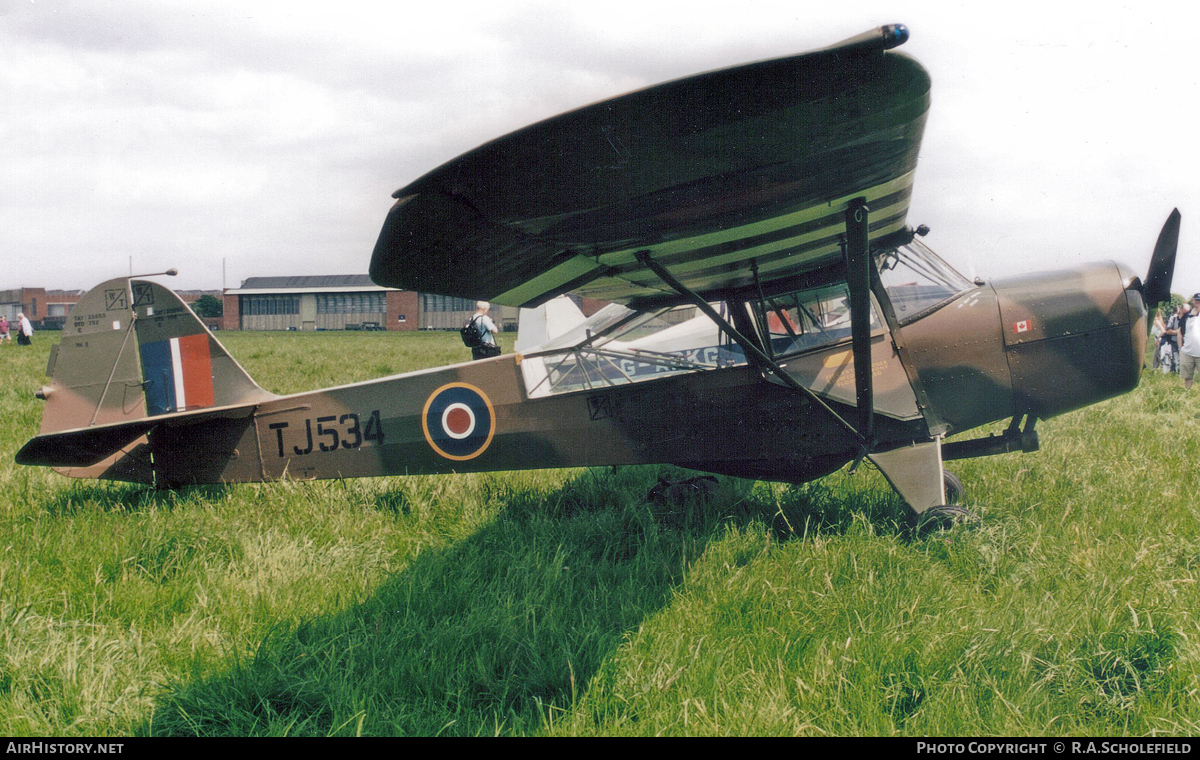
(1157, 331)
(4, 336)
(24, 330)
(1171, 338)
(487, 332)
(1189, 340)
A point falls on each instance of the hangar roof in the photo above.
(329, 283)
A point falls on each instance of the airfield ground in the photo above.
(561, 602)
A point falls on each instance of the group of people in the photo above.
(1178, 334)
(22, 326)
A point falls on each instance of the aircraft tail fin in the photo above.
(546, 322)
(132, 350)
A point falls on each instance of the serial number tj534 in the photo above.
(331, 432)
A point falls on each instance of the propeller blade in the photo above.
(1156, 288)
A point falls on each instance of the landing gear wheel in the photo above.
(954, 487)
(941, 518)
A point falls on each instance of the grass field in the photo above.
(561, 602)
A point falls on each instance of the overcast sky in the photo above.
(271, 135)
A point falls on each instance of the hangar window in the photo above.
(351, 303)
(268, 305)
(431, 303)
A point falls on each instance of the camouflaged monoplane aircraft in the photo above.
(771, 314)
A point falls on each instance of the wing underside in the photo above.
(715, 176)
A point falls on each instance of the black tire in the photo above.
(954, 487)
(943, 517)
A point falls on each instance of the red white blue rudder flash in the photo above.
(178, 374)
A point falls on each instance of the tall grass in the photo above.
(563, 602)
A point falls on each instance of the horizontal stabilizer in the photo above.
(84, 447)
(81, 448)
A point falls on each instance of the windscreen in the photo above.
(917, 280)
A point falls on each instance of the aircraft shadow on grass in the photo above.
(505, 629)
(124, 498)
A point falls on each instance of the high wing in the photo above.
(715, 176)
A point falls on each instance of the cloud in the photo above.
(271, 134)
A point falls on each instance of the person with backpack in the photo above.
(1170, 338)
(480, 333)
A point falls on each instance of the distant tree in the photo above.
(208, 306)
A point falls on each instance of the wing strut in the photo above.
(858, 278)
(747, 345)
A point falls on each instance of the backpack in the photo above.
(471, 336)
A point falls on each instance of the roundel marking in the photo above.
(458, 421)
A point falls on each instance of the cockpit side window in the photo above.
(807, 319)
(618, 346)
(917, 281)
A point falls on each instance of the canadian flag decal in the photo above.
(1022, 326)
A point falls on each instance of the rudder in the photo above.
(131, 350)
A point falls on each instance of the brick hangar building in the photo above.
(345, 302)
(48, 309)
(323, 302)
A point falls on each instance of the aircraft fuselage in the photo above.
(1036, 345)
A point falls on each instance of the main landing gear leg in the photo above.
(917, 474)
